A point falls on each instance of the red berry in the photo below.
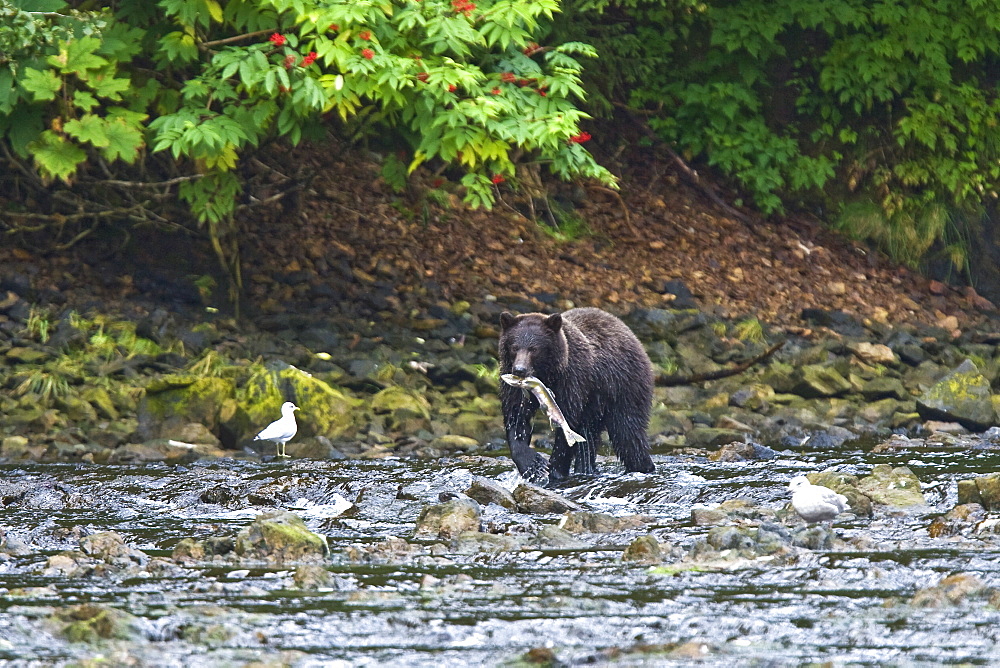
(368, 53)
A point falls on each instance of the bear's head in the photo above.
(532, 344)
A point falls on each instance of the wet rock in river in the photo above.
(485, 491)
(963, 395)
(188, 550)
(448, 520)
(110, 547)
(894, 487)
(952, 590)
(534, 499)
(165, 450)
(846, 484)
(814, 538)
(314, 576)
(588, 522)
(91, 623)
(740, 451)
(644, 550)
(983, 490)
(475, 542)
(960, 520)
(551, 536)
(280, 536)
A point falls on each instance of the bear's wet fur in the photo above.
(601, 377)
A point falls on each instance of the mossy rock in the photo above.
(280, 536)
(644, 550)
(846, 484)
(102, 402)
(323, 410)
(401, 403)
(173, 401)
(984, 490)
(819, 380)
(962, 396)
(91, 623)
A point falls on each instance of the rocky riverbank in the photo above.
(82, 385)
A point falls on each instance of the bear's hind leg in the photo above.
(628, 438)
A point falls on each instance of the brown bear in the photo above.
(601, 377)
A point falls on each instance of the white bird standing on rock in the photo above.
(815, 503)
(281, 430)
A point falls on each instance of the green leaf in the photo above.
(56, 157)
(89, 128)
(106, 85)
(42, 84)
(124, 141)
(25, 127)
(84, 100)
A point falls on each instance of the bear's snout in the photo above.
(521, 371)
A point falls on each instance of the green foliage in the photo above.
(193, 87)
(750, 330)
(566, 225)
(812, 104)
(38, 324)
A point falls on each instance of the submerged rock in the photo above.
(952, 590)
(280, 536)
(448, 520)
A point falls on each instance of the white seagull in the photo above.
(815, 503)
(281, 430)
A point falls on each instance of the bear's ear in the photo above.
(506, 320)
(553, 323)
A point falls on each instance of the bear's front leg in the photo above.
(518, 410)
(562, 456)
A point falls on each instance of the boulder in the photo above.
(533, 499)
(587, 522)
(174, 401)
(895, 487)
(984, 490)
(486, 491)
(872, 353)
(962, 396)
(91, 623)
(280, 536)
(814, 381)
(449, 519)
(324, 410)
(644, 550)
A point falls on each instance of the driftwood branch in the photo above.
(675, 379)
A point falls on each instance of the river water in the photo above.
(583, 605)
